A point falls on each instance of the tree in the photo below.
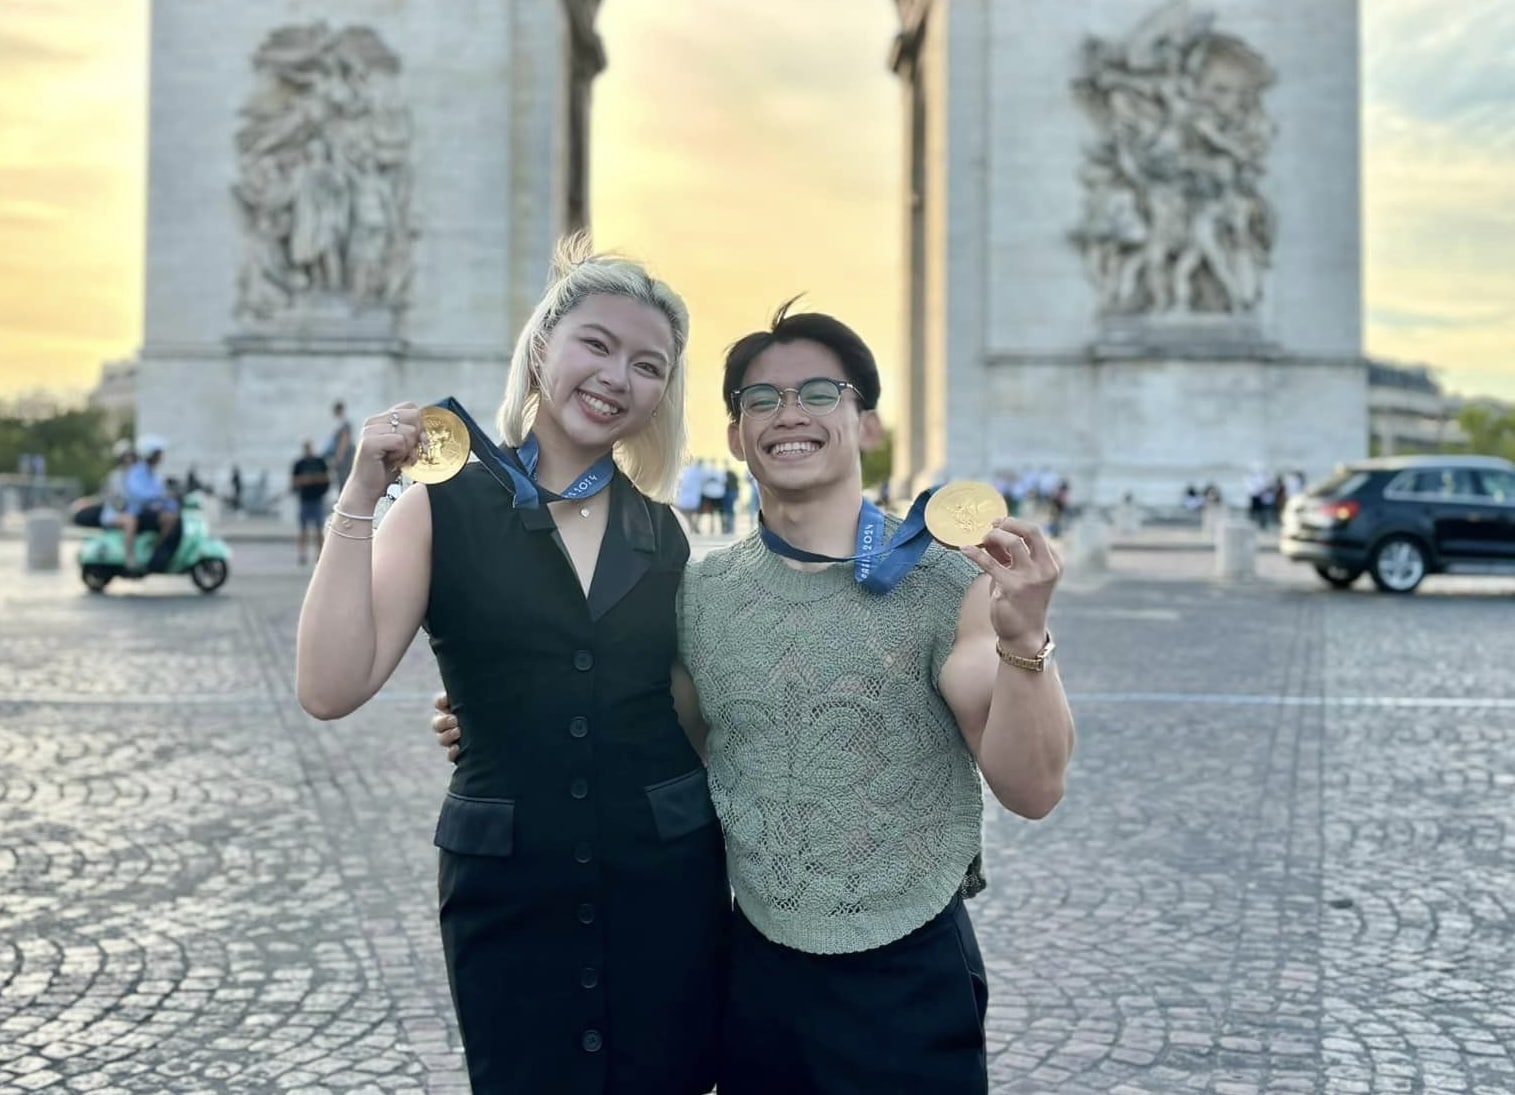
(75, 444)
(1489, 430)
(878, 463)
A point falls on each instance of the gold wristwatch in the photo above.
(1036, 664)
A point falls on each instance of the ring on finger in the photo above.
(394, 423)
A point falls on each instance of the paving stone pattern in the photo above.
(1298, 879)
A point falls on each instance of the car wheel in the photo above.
(1337, 577)
(208, 574)
(1399, 563)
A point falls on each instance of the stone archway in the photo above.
(1029, 343)
(1124, 265)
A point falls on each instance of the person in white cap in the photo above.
(148, 500)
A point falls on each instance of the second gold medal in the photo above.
(963, 512)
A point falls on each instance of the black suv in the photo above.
(1402, 517)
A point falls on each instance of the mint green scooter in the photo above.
(205, 558)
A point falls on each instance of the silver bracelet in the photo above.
(340, 512)
(332, 528)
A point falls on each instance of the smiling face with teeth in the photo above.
(793, 453)
(603, 374)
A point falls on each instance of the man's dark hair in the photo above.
(828, 331)
(338, 408)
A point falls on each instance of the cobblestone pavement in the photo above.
(1284, 863)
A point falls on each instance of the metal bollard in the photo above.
(44, 539)
(1236, 552)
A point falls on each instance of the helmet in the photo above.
(149, 444)
(121, 448)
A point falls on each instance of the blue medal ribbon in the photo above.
(878, 567)
(516, 469)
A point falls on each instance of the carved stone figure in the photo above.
(322, 209)
(324, 176)
(373, 224)
(1174, 220)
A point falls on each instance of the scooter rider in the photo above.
(113, 512)
(148, 500)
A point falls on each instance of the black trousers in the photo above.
(904, 1018)
(149, 521)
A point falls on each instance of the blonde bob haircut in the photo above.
(651, 457)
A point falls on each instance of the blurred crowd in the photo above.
(710, 495)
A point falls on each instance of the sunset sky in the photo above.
(750, 151)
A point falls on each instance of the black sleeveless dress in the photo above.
(584, 906)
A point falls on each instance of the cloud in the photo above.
(1449, 65)
(1398, 319)
(21, 213)
(20, 51)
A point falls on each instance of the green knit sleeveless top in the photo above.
(852, 806)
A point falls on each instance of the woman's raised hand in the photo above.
(387, 443)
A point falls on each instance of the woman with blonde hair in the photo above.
(583, 897)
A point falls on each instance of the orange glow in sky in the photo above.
(752, 151)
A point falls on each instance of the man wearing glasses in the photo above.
(849, 705)
(847, 727)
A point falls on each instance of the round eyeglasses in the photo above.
(817, 396)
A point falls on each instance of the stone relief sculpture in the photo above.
(1174, 221)
(324, 180)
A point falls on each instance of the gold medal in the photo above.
(444, 447)
(963, 512)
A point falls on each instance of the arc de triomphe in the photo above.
(1132, 226)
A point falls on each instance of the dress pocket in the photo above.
(476, 826)
(681, 805)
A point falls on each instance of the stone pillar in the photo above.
(1236, 552)
(911, 460)
(588, 61)
(1089, 544)
(372, 234)
(44, 539)
(1213, 519)
(1073, 305)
